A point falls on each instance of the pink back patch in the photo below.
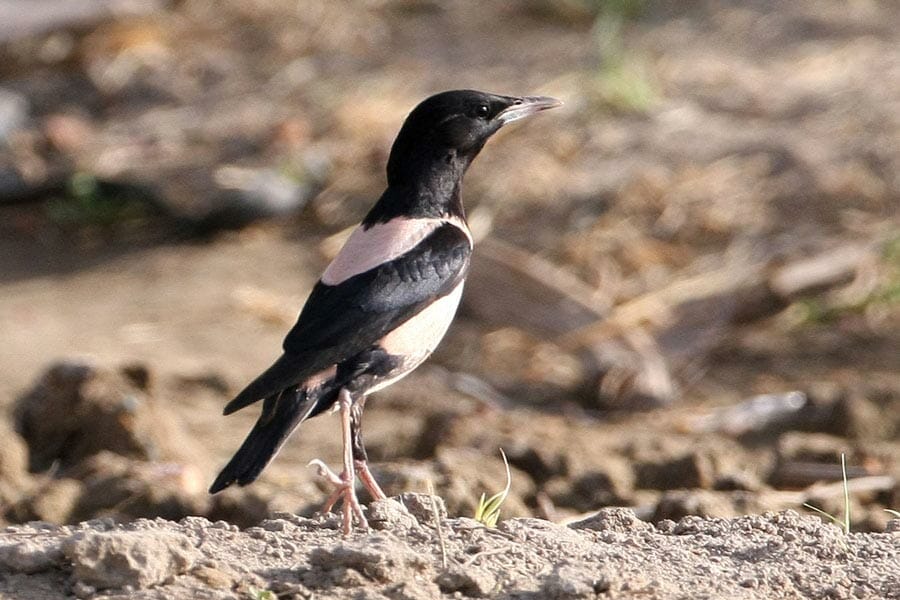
(365, 249)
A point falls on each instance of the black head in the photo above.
(450, 128)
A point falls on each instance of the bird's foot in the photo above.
(344, 488)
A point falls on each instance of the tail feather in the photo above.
(281, 414)
(283, 373)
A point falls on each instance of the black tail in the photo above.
(281, 414)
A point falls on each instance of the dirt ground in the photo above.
(684, 298)
(418, 554)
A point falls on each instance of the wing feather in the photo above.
(340, 321)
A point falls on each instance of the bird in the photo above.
(386, 299)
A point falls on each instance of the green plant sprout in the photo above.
(257, 594)
(488, 509)
(845, 522)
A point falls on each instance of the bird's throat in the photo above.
(434, 192)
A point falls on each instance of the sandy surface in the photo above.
(414, 555)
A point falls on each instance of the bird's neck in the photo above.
(431, 191)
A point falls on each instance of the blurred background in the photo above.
(685, 297)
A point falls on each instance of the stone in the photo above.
(567, 581)
(129, 558)
(76, 410)
(390, 514)
(29, 556)
(475, 581)
(621, 520)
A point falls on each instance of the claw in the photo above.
(345, 483)
(324, 472)
(344, 489)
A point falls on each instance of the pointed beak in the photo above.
(525, 106)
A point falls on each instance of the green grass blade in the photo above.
(488, 510)
(846, 495)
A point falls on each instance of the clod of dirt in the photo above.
(382, 558)
(855, 417)
(803, 459)
(245, 507)
(30, 556)
(129, 558)
(76, 410)
(620, 520)
(126, 489)
(212, 574)
(53, 502)
(14, 477)
(390, 514)
(810, 447)
(474, 582)
(676, 504)
(690, 470)
(569, 581)
(610, 484)
(118, 487)
(424, 506)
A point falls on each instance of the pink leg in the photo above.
(360, 460)
(345, 482)
(365, 475)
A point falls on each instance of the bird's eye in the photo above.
(483, 111)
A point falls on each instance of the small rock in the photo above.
(568, 581)
(285, 590)
(129, 558)
(80, 590)
(676, 504)
(125, 488)
(474, 581)
(55, 502)
(29, 556)
(422, 506)
(810, 447)
(380, 557)
(14, 477)
(856, 417)
(213, 577)
(692, 470)
(612, 484)
(244, 507)
(412, 590)
(76, 410)
(391, 514)
(621, 520)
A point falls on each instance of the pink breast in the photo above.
(417, 338)
(422, 333)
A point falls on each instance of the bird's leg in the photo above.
(360, 459)
(345, 482)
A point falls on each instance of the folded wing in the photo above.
(340, 321)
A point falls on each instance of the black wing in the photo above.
(342, 320)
